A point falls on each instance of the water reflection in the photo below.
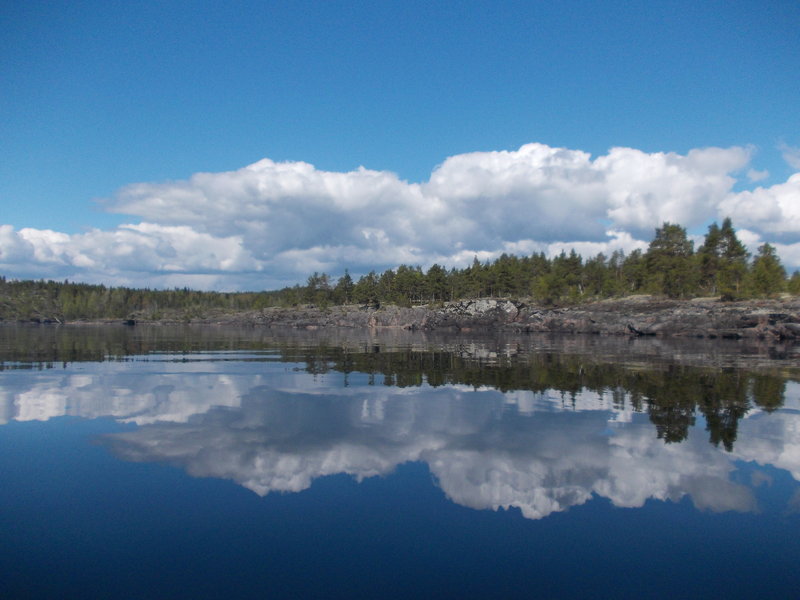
(672, 383)
(539, 431)
(482, 454)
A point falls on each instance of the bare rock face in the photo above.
(635, 316)
(484, 313)
(400, 317)
(763, 320)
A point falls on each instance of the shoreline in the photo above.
(634, 316)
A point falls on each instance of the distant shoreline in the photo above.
(769, 320)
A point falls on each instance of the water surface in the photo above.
(169, 462)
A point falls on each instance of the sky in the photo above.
(243, 146)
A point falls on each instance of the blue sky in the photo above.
(462, 115)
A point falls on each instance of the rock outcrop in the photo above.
(633, 316)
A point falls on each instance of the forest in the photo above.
(671, 267)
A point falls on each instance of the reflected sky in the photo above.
(275, 426)
(188, 463)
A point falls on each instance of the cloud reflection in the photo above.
(272, 429)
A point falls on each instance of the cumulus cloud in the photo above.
(145, 253)
(791, 155)
(754, 175)
(772, 211)
(272, 223)
(644, 190)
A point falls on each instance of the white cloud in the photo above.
(788, 253)
(270, 223)
(791, 155)
(754, 175)
(618, 240)
(773, 210)
(645, 190)
(141, 254)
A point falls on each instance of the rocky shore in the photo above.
(632, 316)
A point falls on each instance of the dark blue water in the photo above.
(258, 474)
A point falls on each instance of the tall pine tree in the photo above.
(669, 262)
(767, 276)
(722, 261)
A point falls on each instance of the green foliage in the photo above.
(634, 272)
(343, 292)
(669, 267)
(794, 284)
(366, 290)
(50, 301)
(669, 262)
(436, 287)
(722, 262)
(318, 290)
(767, 276)
(707, 260)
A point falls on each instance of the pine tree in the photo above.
(722, 261)
(366, 290)
(707, 258)
(475, 279)
(436, 283)
(614, 284)
(733, 263)
(794, 284)
(669, 262)
(569, 269)
(596, 275)
(634, 273)
(767, 276)
(343, 292)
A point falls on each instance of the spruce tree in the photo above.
(669, 262)
(794, 284)
(634, 272)
(343, 292)
(707, 259)
(436, 283)
(733, 263)
(722, 262)
(767, 276)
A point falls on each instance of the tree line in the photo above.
(67, 301)
(671, 267)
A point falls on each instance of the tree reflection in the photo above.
(672, 393)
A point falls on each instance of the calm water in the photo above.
(178, 462)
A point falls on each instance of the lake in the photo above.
(204, 462)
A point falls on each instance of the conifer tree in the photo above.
(596, 274)
(669, 262)
(436, 283)
(707, 260)
(733, 262)
(366, 290)
(767, 276)
(794, 284)
(722, 261)
(475, 278)
(634, 272)
(343, 292)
